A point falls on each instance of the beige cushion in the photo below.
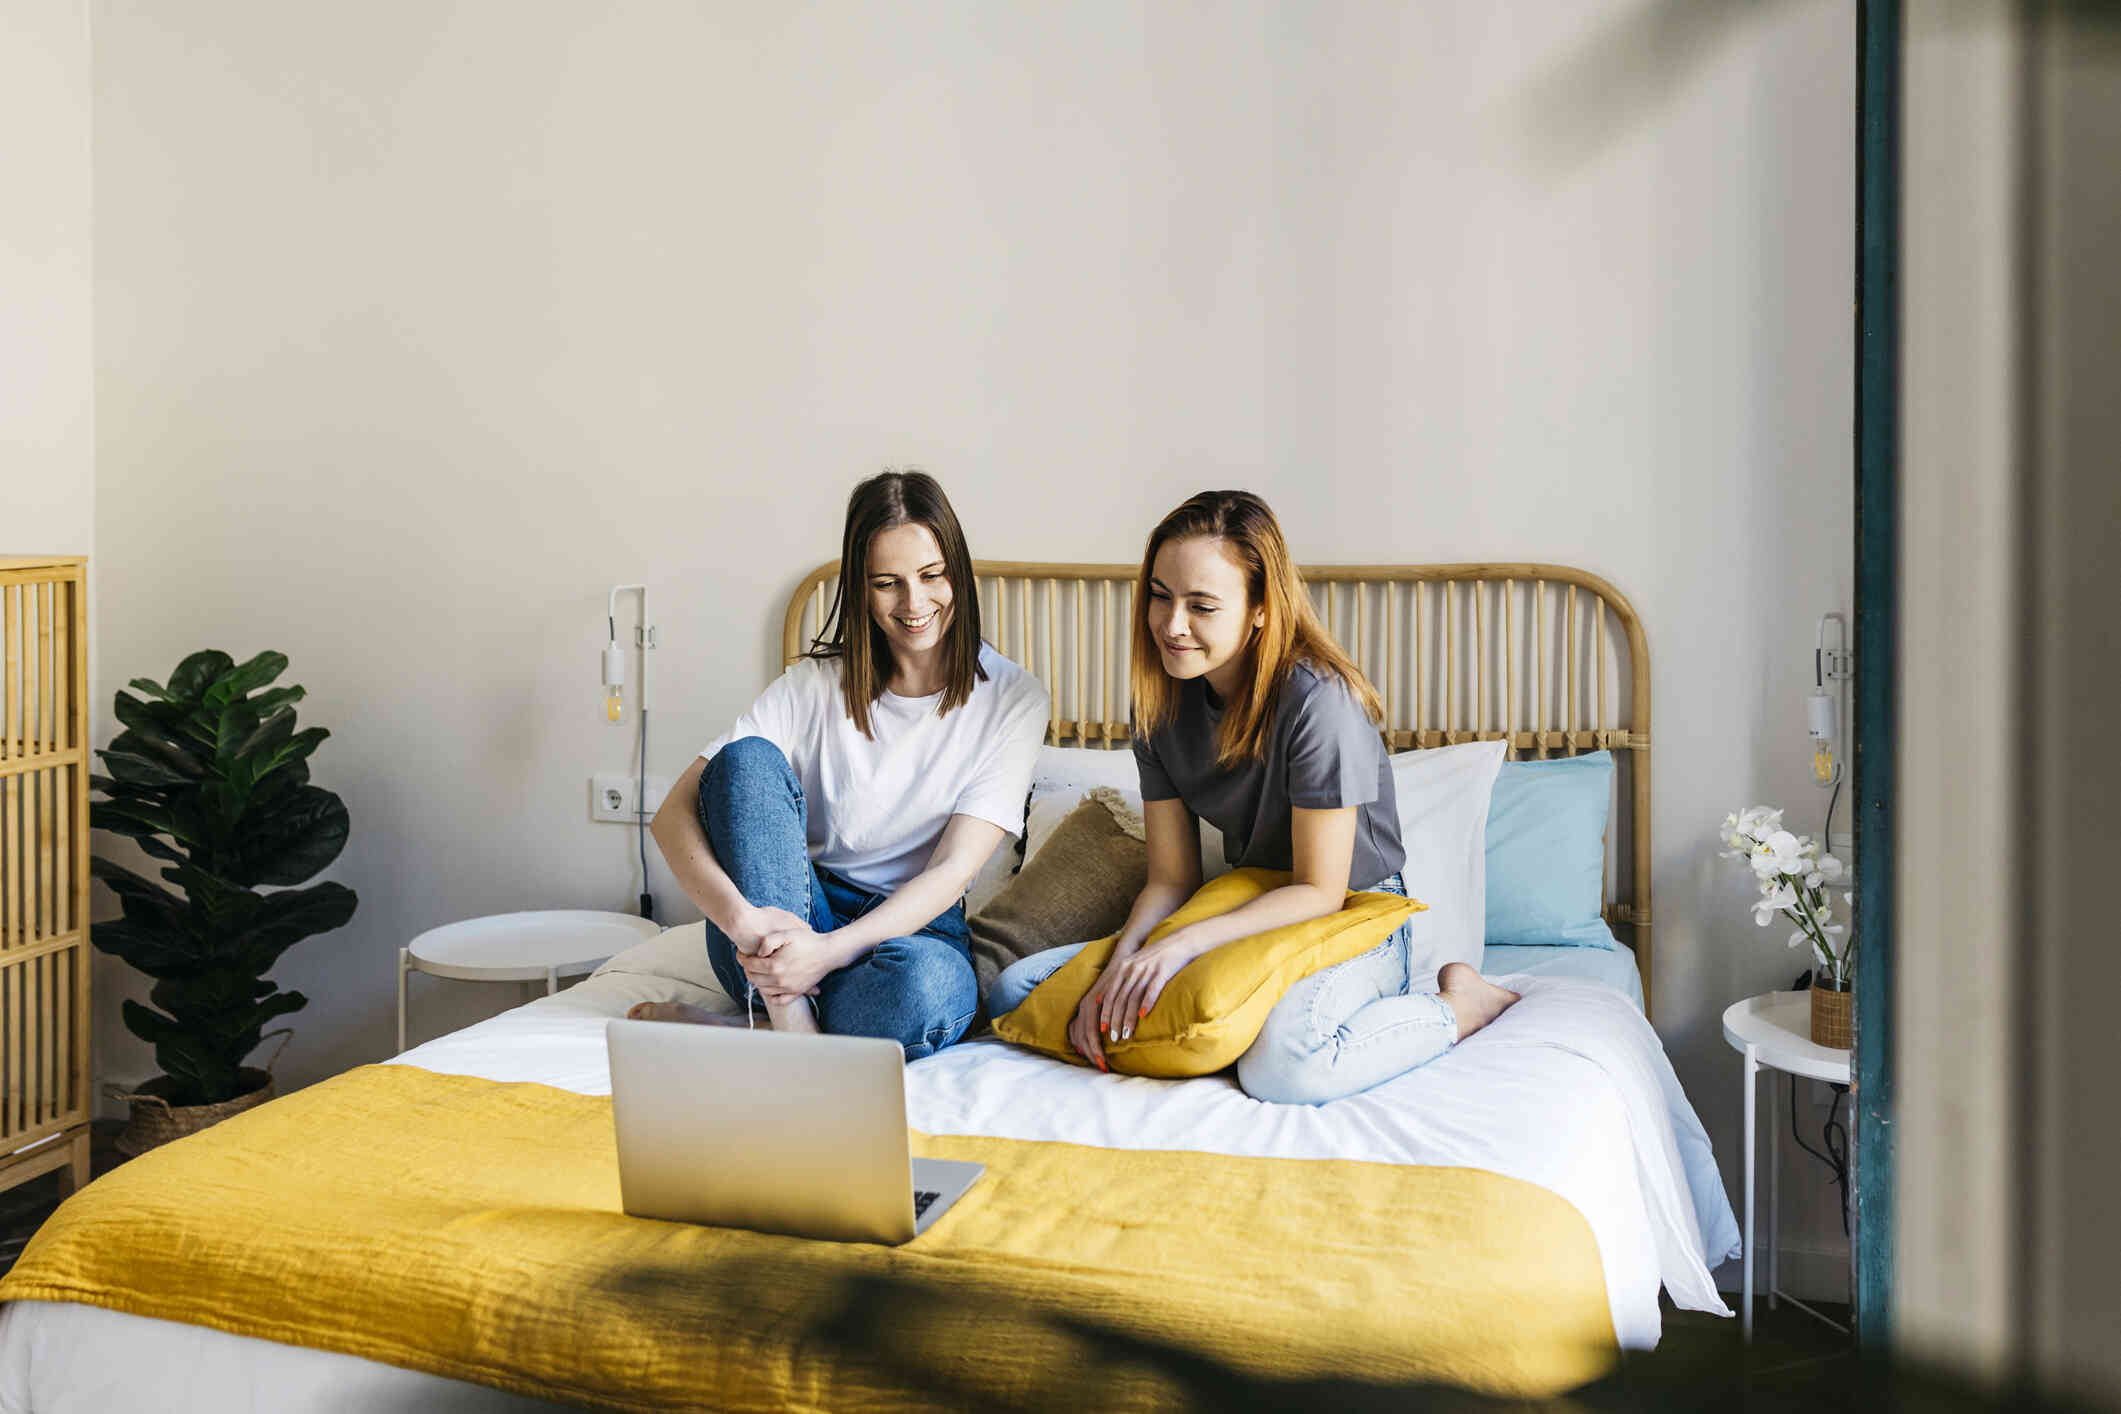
(1079, 885)
(680, 954)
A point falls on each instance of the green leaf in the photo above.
(140, 770)
(154, 742)
(221, 802)
(287, 917)
(269, 733)
(222, 998)
(295, 748)
(279, 1005)
(276, 698)
(290, 839)
(129, 886)
(140, 818)
(237, 682)
(281, 782)
(151, 950)
(150, 687)
(198, 672)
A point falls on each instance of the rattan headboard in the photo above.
(1458, 652)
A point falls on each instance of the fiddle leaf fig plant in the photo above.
(211, 777)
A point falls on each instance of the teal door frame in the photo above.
(1877, 527)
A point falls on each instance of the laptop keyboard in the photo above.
(921, 1202)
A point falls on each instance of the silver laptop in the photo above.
(804, 1135)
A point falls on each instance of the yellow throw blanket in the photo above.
(473, 1229)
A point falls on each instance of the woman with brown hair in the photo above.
(1249, 715)
(830, 834)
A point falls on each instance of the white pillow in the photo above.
(1443, 822)
(679, 953)
(1078, 768)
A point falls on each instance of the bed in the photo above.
(1568, 1097)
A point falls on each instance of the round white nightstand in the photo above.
(519, 947)
(1774, 1030)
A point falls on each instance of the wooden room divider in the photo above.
(44, 1016)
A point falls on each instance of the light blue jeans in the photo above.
(919, 991)
(1336, 1033)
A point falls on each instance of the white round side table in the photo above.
(1774, 1030)
(519, 947)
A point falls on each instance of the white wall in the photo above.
(424, 323)
(47, 373)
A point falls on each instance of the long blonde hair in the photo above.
(1290, 634)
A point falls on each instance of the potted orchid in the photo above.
(1794, 874)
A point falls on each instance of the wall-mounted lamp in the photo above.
(615, 656)
(615, 707)
(1822, 710)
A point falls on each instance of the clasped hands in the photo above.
(1124, 993)
(784, 957)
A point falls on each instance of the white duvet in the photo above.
(1569, 1089)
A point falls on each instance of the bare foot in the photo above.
(680, 1011)
(1476, 1000)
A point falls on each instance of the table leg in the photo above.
(1774, 1181)
(1745, 1300)
(552, 981)
(404, 966)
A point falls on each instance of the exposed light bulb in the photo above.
(1824, 723)
(614, 682)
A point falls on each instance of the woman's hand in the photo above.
(750, 930)
(1132, 985)
(1082, 1030)
(790, 963)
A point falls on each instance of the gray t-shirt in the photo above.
(1323, 753)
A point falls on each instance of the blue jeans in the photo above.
(918, 990)
(1337, 1032)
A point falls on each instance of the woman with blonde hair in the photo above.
(1249, 715)
(829, 835)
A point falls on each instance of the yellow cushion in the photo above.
(1211, 1011)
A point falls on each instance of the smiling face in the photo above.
(1199, 612)
(910, 597)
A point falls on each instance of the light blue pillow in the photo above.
(1546, 852)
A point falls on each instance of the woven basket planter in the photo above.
(155, 1121)
(1832, 1024)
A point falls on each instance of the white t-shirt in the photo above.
(877, 807)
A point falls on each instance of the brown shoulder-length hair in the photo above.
(850, 633)
(1291, 633)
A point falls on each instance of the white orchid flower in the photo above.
(1814, 879)
(1831, 869)
(1758, 820)
(1779, 898)
(1786, 851)
(1799, 938)
(1764, 866)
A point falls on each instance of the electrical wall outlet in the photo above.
(611, 797)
